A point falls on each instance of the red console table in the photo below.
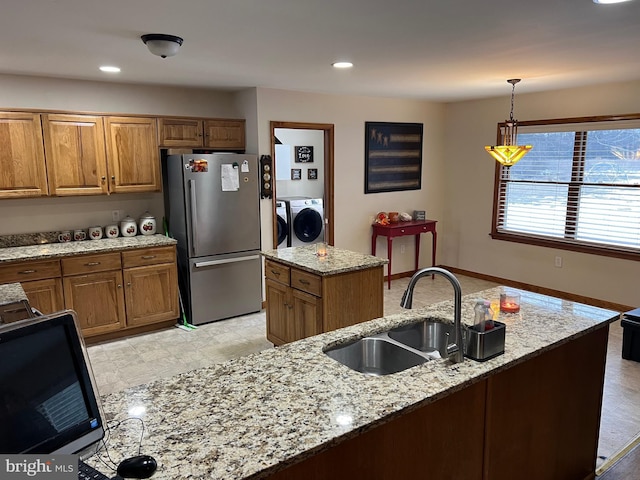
(415, 227)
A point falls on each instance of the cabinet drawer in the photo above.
(307, 282)
(24, 271)
(91, 263)
(148, 256)
(276, 271)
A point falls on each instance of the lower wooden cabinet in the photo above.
(45, 295)
(292, 314)
(98, 300)
(111, 292)
(150, 294)
(300, 304)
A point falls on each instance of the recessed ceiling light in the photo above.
(607, 2)
(342, 65)
(109, 69)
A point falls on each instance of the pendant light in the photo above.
(509, 153)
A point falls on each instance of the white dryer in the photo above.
(306, 221)
(282, 213)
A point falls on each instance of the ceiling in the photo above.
(443, 50)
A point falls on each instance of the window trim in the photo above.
(608, 251)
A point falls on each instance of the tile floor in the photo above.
(143, 358)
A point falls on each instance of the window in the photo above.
(577, 189)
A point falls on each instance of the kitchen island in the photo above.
(308, 294)
(293, 412)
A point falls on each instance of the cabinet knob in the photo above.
(119, 286)
(128, 284)
(104, 179)
(113, 178)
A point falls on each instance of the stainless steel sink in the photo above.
(429, 335)
(375, 356)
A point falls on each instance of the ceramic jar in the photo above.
(95, 233)
(64, 236)
(79, 235)
(147, 224)
(128, 227)
(111, 231)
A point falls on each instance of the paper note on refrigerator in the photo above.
(230, 178)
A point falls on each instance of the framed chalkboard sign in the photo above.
(304, 154)
(296, 174)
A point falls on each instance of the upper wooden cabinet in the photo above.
(22, 166)
(76, 156)
(132, 154)
(216, 134)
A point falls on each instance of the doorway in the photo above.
(327, 169)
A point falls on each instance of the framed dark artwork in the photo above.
(296, 174)
(393, 156)
(304, 154)
(312, 174)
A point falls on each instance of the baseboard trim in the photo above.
(532, 288)
(615, 458)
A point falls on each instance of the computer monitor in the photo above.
(48, 399)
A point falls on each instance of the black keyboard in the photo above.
(87, 472)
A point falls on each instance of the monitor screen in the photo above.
(48, 403)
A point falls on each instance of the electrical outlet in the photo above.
(558, 262)
(115, 215)
(401, 248)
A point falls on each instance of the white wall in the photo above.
(354, 211)
(304, 187)
(468, 196)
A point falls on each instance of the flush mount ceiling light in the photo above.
(608, 2)
(342, 65)
(509, 153)
(162, 45)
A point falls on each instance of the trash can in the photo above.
(631, 335)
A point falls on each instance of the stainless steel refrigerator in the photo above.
(213, 211)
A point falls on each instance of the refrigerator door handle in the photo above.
(194, 216)
(226, 260)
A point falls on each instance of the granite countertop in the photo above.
(55, 250)
(336, 261)
(11, 292)
(249, 417)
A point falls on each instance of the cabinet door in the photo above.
(180, 132)
(76, 156)
(307, 315)
(224, 134)
(279, 330)
(151, 294)
(22, 167)
(132, 155)
(98, 300)
(45, 295)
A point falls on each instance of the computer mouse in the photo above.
(140, 466)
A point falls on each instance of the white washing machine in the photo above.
(282, 212)
(306, 221)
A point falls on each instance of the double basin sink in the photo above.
(396, 350)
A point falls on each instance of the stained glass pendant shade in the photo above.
(509, 153)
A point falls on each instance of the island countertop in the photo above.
(336, 261)
(57, 250)
(253, 416)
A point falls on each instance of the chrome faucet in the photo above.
(455, 351)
